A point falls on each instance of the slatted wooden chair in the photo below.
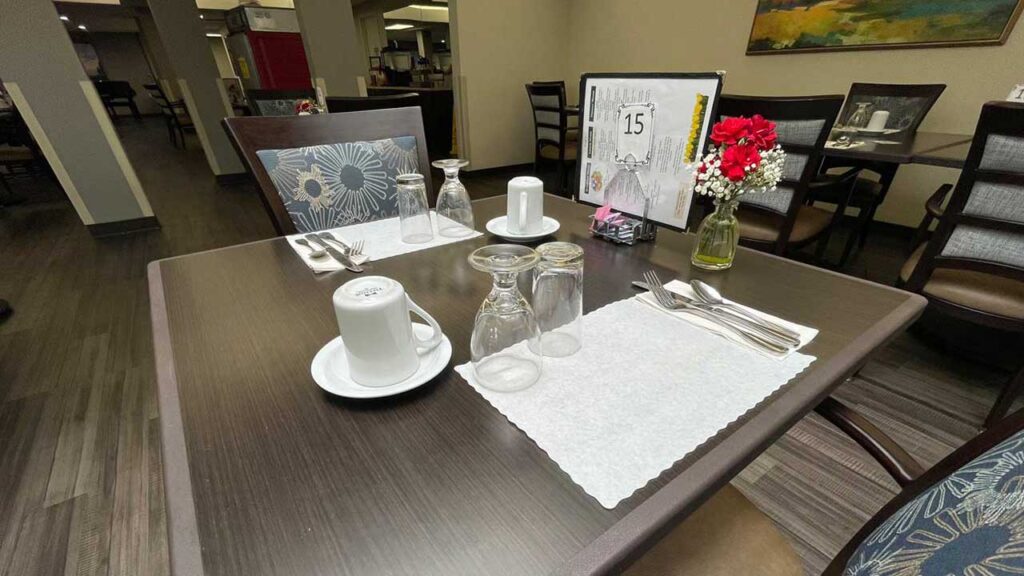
(972, 267)
(553, 137)
(965, 515)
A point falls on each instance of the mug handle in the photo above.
(432, 342)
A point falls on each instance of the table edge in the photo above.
(184, 550)
(643, 526)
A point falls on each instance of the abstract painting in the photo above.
(813, 25)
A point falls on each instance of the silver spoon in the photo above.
(708, 294)
(314, 252)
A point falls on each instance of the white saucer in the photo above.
(330, 369)
(499, 227)
(873, 132)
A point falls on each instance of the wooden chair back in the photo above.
(907, 104)
(550, 121)
(361, 103)
(803, 124)
(251, 134)
(276, 102)
(982, 226)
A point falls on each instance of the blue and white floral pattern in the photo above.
(332, 185)
(970, 524)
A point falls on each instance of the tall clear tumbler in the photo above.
(413, 210)
(558, 298)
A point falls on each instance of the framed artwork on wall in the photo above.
(783, 26)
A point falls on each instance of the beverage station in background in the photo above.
(266, 48)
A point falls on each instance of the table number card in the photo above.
(1017, 94)
(641, 136)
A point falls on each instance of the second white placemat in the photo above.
(645, 390)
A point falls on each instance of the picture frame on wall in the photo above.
(641, 138)
(786, 26)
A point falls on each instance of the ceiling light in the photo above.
(81, 26)
(201, 17)
(423, 7)
(64, 18)
(398, 26)
(212, 35)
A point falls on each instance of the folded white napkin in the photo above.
(682, 288)
(381, 239)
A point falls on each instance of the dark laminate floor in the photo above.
(80, 484)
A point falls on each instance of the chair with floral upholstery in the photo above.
(329, 170)
(964, 516)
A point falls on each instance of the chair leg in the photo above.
(561, 178)
(867, 225)
(1010, 392)
(858, 233)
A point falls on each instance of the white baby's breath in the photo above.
(759, 179)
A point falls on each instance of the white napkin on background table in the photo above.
(381, 239)
(643, 392)
(806, 334)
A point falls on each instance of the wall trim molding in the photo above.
(49, 151)
(123, 227)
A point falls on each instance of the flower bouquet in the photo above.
(305, 107)
(745, 158)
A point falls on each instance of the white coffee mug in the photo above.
(878, 121)
(525, 205)
(373, 317)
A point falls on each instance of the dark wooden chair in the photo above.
(907, 104)
(959, 517)
(972, 267)
(117, 94)
(781, 221)
(20, 156)
(175, 114)
(253, 134)
(276, 102)
(554, 140)
(360, 103)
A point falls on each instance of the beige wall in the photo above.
(522, 40)
(499, 46)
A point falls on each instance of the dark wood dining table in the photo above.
(901, 148)
(266, 474)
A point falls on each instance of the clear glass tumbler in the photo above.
(558, 298)
(505, 345)
(859, 118)
(453, 201)
(413, 210)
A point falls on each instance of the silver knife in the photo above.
(333, 252)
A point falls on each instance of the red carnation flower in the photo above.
(762, 133)
(730, 131)
(736, 159)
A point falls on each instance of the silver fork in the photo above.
(354, 249)
(666, 301)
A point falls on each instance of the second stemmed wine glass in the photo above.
(453, 201)
(505, 345)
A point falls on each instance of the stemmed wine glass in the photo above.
(453, 201)
(505, 345)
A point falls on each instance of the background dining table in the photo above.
(900, 148)
(266, 474)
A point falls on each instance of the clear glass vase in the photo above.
(717, 237)
(453, 201)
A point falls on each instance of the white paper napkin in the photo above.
(381, 239)
(643, 392)
(806, 334)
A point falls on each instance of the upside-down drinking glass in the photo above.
(505, 345)
(453, 201)
(558, 298)
(413, 210)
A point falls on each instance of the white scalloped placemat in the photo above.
(646, 389)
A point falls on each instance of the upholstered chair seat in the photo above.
(975, 290)
(727, 536)
(550, 152)
(765, 226)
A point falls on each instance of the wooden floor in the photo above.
(80, 483)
